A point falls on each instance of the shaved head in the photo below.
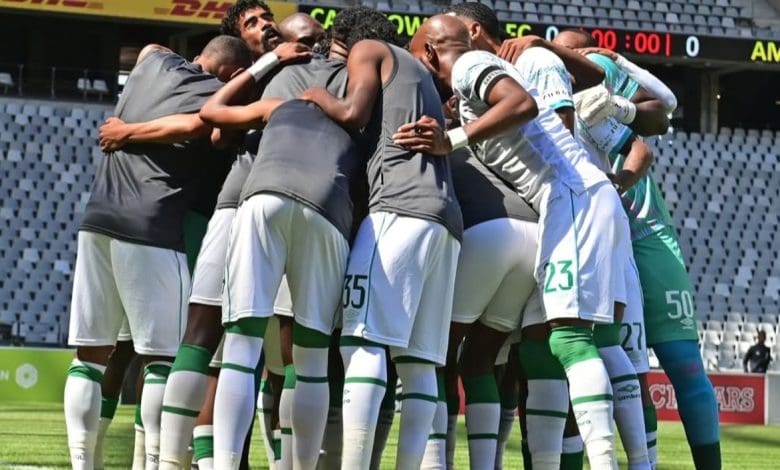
(438, 44)
(574, 39)
(301, 28)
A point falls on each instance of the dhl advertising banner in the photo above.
(178, 11)
(741, 397)
(32, 374)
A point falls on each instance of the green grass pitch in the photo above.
(34, 435)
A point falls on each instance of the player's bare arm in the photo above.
(115, 133)
(585, 73)
(510, 107)
(227, 109)
(639, 157)
(365, 67)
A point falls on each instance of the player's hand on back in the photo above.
(292, 52)
(113, 134)
(512, 49)
(598, 50)
(425, 135)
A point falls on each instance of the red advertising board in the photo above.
(740, 397)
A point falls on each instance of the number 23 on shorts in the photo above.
(558, 276)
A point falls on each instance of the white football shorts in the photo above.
(209, 275)
(116, 280)
(399, 285)
(580, 264)
(274, 235)
(632, 331)
(495, 273)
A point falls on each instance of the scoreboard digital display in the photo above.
(643, 43)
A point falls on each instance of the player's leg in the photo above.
(255, 264)
(186, 387)
(154, 284)
(579, 236)
(572, 451)
(435, 457)
(651, 421)
(203, 431)
(317, 263)
(384, 422)
(111, 387)
(96, 317)
(285, 411)
(547, 399)
(671, 332)
(271, 391)
(364, 360)
(509, 394)
(629, 410)
(450, 378)
(331, 443)
(435, 267)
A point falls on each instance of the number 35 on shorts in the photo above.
(559, 276)
(355, 291)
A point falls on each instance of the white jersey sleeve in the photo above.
(546, 72)
(474, 75)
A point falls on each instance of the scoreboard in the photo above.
(639, 42)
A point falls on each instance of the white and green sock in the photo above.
(418, 408)
(547, 404)
(82, 411)
(139, 444)
(483, 412)
(234, 403)
(311, 398)
(509, 403)
(627, 397)
(365, 382)
(285, 419)
(184, 396)
(435, 457)
(107, 412)
(155, 377)
(203, 445)
(265, 405)
(331, 442)
(590, 392)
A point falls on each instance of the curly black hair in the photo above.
(358, 23)
(230, 24)
(480, 13)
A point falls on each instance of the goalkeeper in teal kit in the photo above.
(639, 100)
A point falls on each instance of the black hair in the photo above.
(229, 50)
(358, 23)
(590, 41)
(230, 24)
(480, 13)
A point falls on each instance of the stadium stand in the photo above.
(47, 161)
(720, 189)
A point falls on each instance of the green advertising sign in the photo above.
(32, 374)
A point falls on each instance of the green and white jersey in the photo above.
(617, 80)
(644, 204)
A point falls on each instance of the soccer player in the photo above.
(399, 284)
(577, 207)
(495, 278)
(253, 22)
(131, 262)
(296, 218)
(668, 296)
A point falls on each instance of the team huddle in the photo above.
(462, 209)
